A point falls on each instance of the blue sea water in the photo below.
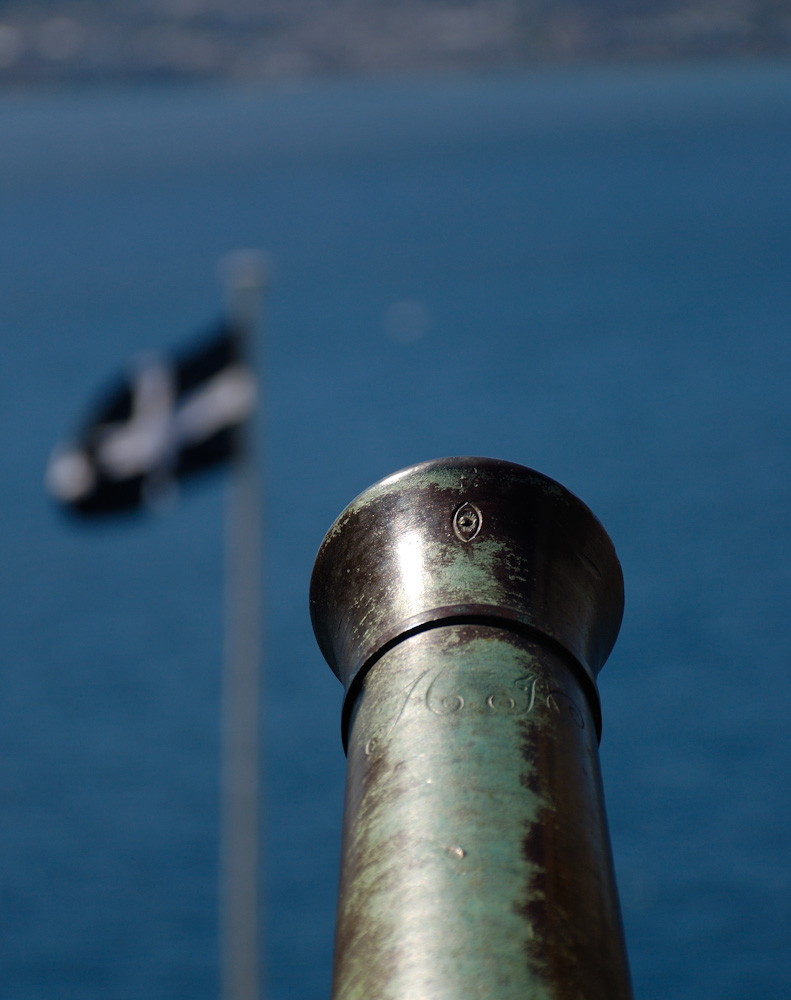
(585, 271)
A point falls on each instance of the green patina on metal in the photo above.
(448, 475)
(432, 743)
(527, 525)
(468, 605)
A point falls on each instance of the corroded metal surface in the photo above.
(476, 859)
(460, 538)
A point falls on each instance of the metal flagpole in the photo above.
(244, 274)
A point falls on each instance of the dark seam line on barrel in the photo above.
(493, 621)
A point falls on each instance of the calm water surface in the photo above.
(585, 272)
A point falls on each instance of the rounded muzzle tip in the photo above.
(459, 539)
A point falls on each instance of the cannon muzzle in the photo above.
(467, 605)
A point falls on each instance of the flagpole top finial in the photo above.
(245, 268)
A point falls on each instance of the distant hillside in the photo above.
(102, 40)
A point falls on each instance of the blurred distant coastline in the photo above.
(45, 42)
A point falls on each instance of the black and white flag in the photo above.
(169, 417)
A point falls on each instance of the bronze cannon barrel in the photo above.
(467, 605)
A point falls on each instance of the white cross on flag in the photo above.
(170, 417)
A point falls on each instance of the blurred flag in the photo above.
(170, 417)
